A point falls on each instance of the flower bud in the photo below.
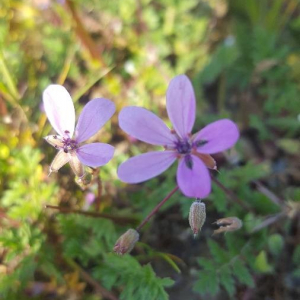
(126, 242)
(197, 216)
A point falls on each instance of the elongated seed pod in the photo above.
(197, 216)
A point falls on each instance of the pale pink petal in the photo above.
(181, 105)
(93, 116)
(145, 166)
(145, 126)
(217, 136)
(59, 161)
(95, 154)
(59, 109)
(55, 140)
(76, 164)
(193, 177)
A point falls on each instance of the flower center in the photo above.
(69, 145)
(183, 146)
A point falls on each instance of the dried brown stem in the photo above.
(82, 34)
(117, 219)
(95, 284)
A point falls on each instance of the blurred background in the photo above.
(243, 58)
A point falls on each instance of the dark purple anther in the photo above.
(188, 161)
(200, 143)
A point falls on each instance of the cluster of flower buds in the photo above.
(228, 224)
(126, 242)
(197, 216)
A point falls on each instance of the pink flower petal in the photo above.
(193, 177)
(59, 161)
(145, 166)
(217, 136)
(93, 116)
(76, 164)
(145, 126)
(181, 105)
(59, 109)
(95, 154)
(55, 140)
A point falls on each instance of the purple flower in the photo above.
(192, 151)
(61, 114)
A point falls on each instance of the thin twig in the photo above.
(86, 276)
(157, 207)
(269, 221)
(117, 219)
(232, 196)
(99, 189)
(269, 194)
(83, 35)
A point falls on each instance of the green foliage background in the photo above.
(243, 58)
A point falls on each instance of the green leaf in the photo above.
(296, 256)
(208, 283)
(220, 255)
(207, 264)
(242, 273)
(227, 280)
(275, 243)
(261, 263)
(138, 282)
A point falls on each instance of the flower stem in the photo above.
(99, 189)
(232, 196)
(156, 208)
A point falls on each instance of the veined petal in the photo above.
(193, 177)
(181, 105)
(145, 126)
(95, 154)
(76, 165)
(145, 166)
(93, 116)
(217, 136)
(59, 109)
(54, 140)
(59, 161)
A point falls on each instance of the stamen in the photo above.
(200, 143)
(188, 161)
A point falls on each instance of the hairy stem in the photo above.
(156, 208)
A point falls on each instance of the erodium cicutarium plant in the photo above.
(69, 142)
(191, 151)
